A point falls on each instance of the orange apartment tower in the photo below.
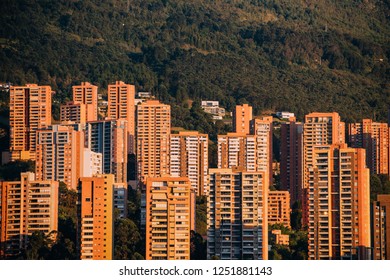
(121, 106)
(374, 137)
(73, 112)
(168, 218)
(279, 208)
(95, 217)
(87, 94)
(291, 161)
(153, 137)
(339, 203)
(27, 206)
(237, 218)
(380, 227)
(59, 156)
(318, 129)
(30, 110)
(250, 152)
(189, 158)
(237, 150)
(242, 116)
(261, 128)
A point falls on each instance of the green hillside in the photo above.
(292, 55)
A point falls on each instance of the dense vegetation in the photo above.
(292, 55)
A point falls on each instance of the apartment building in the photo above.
(374, 137)
(121, 106)
(189, 158)
(237, 218)
(27, 206)
(60, 154)
(279, 210)
(291, 158)
(242, 115)
(73, 112)
(318, 129)
(237, 150)
(153, 137)
(30, 110)
(339, 203)
(380, 227)
(95, 217)
(109, 137)
(168, 218)
(261, 128)
(87, 94)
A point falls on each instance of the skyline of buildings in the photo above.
(91, 153)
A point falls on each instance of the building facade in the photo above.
(261, 128)
(109, 137)
(121, 106)
(318, 129)
(27, 206)
(153, 137)
(374, 137)
(380, 227)
(291, 159)
(30, 110)
(242, 115)
(95, 217)
(237, 150)
(237, 218)
(87, 94)
(73, 112)
(279, 208)
(59, 154)
(339, 204)
(189, 158)
(168, 218)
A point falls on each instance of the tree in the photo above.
(126, 239)
(198, 247)
(11, 171)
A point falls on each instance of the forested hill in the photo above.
(297, 55)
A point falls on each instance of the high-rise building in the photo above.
(339, 203)
(189, 158)
(92, 163)
(261, 128)
(27, 206)
(168, 218)
(95, 217)
(237, 150)
(86, 94)
(109, 138)
(153, 137)
(380, 227)
(318, 129)
(121, 106)
(237, 218)
(279, 208)
(30, 110)
(73, 112)
(120, 199)
(374, 137)
(242, 116)
(291, 161)
(59, 154)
